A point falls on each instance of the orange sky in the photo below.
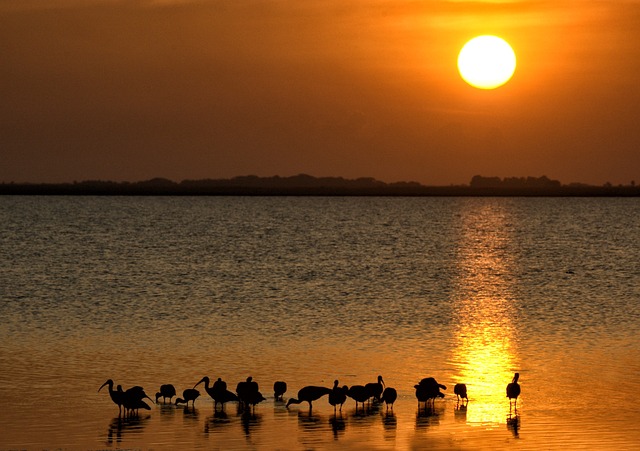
(135, 89)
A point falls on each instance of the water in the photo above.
(148, 291)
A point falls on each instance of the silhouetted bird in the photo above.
(309, 393)
(461, 392)
(219, 385)
(359, 394)
(248, 392)
(166, 391)
(218, 392)
(338, 395)
(279, 389)
(389, 396)
(513, 390)
(190, 394)
(375, 389)
(116, 396)
(133, 400)
(428, 390)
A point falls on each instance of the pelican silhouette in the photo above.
(190, 394)
(389, 396)
(218, 392)
(460, 391)
(309, 393)
(513, 390)
(279, 389)
(166, 391)
(358, 393)
(338, 395)
(375, 389)
(116, 396)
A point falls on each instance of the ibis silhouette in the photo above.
(309, 394)
(166, 391)
(190, 394)
(513, 390)
(338, 395)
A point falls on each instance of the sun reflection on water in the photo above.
(484, 351)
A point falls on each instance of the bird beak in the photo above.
(102, 386)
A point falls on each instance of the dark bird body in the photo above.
(279, 389)
(133, 400)
(309, 394)
(461, 392)
(428, 390)
(218, 392)
(190, 394)
(375, 389)
(248, 392)
(116, 396)
(166, 391)
(389, 396)
(338, 395)
(359, 394)
(513, 390)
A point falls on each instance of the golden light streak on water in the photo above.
(484, 351)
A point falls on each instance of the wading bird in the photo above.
(279, 389)
(309, 394)
(513, 391)
(166, 391)
(461, 392)
(428, 390)
(190, 394)
(338, 395)
(248, 393)
(116, 396)
(359, 394)
(133, 400)
(375, 389)
(218, 392)
(389, 396)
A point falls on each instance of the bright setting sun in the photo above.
(486, 62)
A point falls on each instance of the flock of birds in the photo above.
(247, 394)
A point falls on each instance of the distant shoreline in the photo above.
(305, 185)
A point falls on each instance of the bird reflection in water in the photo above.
(513, 424)
(119, 426)
(338, 425)
(217, 420)
(250, 422)
(428, 417)
(390, 425)
(460, 413)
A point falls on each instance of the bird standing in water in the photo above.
(375, 389)
(309, 394)
(117, 396)
(190, 394)
(359, 394)
(389, 396)
(218, 392)
(279, 389)
(513, 391)
(461, 392)
(338, 395)
(166, 391)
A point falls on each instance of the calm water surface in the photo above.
(148, 291)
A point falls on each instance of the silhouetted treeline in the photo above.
(306, 185)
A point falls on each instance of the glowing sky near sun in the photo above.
(217, 88)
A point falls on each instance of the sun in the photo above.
(486, 62)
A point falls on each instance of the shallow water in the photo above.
(149, 291)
